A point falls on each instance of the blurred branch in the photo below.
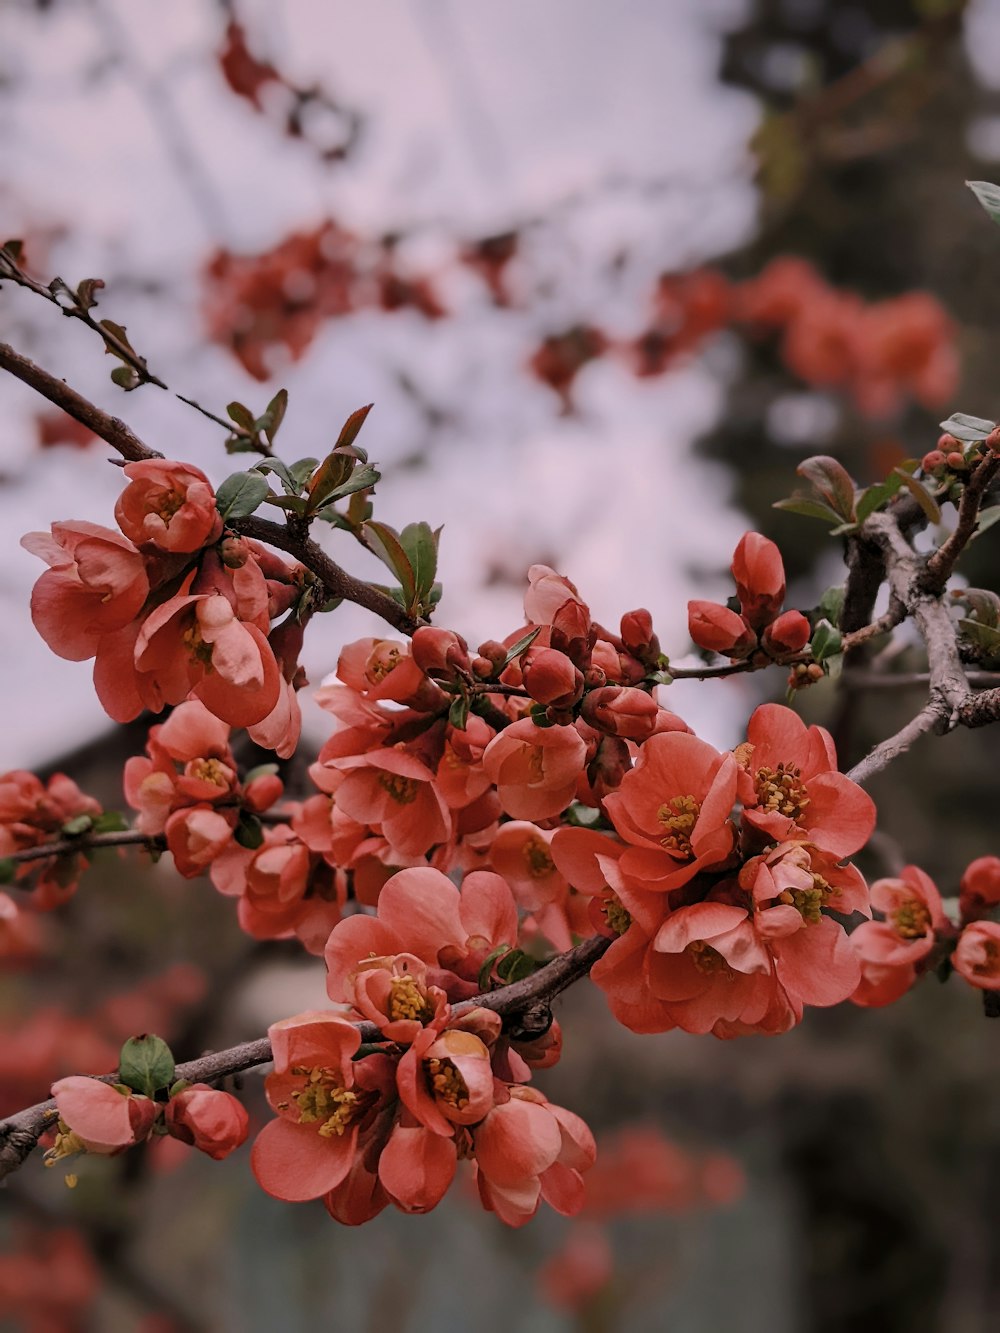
(19, 1133)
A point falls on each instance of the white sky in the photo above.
(478, 115)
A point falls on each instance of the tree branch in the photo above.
(19, 1133)
(943, 560)
(110, 429)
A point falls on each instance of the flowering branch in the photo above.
(19, 1133)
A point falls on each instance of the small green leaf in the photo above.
(240, 444)
(983, 636)
(988, 196)
(278, 468)
(458, 713)
(111, 821)
(831, 604)
(241, 414)
(146, 1064)
(274, 414)
(351, 427)
(363, 478)
(985, 605)
(249, 832)
(301, 471)
(486, 971)
(874, 497)
(987, 517)
(420, 543)
(921, 494)
(295, 504)
(833, 482)
(384, 542)
(522, 644)
(241, 494)
(515, 966)
(966, 428)
(802, 504)
(8, 869)
(826, 641)
(78, 825)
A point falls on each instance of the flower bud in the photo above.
(946, 443)
(494, 652)
(638, 636)
(621, 711)
(933, 460)
(992, 440)
(760, 578)
(214, 1121)
(787, 635)
(957, 461)
(720, 630)
(979, 890)
(551, 678)
(595, 678)
(440, 653)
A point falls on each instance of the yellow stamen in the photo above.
(679, 815)
(406, 1001)
(447, 1083)
(615, 913)
(782, 790)
(537, 858)
(911, 919)
(810, 902)
(209, 770)
(325, 1100)
(402, 790)
(706, 959)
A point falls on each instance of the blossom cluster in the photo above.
(169, 607)
(33, 813)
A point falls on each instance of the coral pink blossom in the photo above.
(395, 793)
(720, 630)
(195, 644)
(394, 993)
(977, 955)
(169, 505)
(215, 1122)
(520, 853)
(528, 1150)
(308, 1150)
(891, 950)
(96, 583)
(195, 837)
(572, 1277)
(416, 1167)
(102, 1118)
(421, 912)
(535, 769)
(674, 807)
(979, 890)
(790, 787)
(445, 1079)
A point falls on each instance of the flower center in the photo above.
(678, 816)
(197, 648)
(911, 919)
(167, 503)
(809, 902)
(402, 790)
(706, 959)
(781, 790)
(325, 1100)
(989, 959)
(616, 914)
(537, 858)
(447, 1083)
(209, 770)
(379, 667)
(406, 1001)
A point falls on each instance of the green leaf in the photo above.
(85, 292)
(274, 414)
(515, 966)
(831, 604)
(8, 869)
(363, 478)
(242, 415)
(249, 832)
(146, 1064)
(349, 430)
(802, 504)
(966, 428)
(921, 494)
(985, 605)
(78, 825)
(301, 471)
(833, 482)
(826, 641)
(117, 331)
(295, 504)
(486, 971)
(241, 494)
(279, 469)
(421, 546)
(458, 713)
(987, 517)
(240, 444)
(988, 196)
(111, 821)
(986, 637)
(522, 644)
(384, 542)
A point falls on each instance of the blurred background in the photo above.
(608, 273)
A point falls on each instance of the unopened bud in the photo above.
(720, 630)
(787, 635)
(957, 461)
(594, 678)
(621, 711)
(551, 678)
(946, 443)
(933, 460)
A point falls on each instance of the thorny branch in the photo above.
(20, 1133)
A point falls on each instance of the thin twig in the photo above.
(943, 560)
